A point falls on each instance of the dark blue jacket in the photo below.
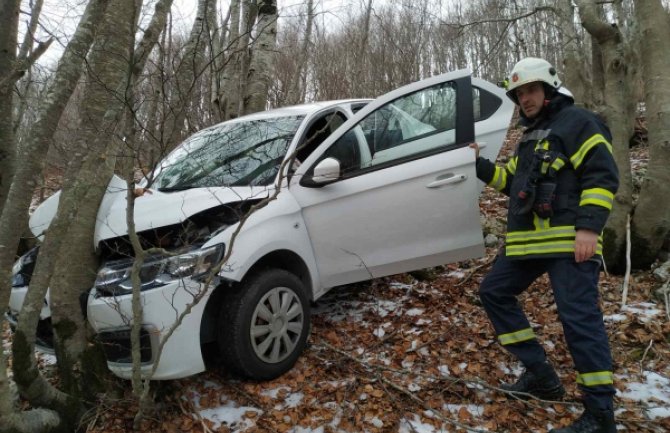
(586, 180)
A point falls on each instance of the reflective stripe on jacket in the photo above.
(585, 185)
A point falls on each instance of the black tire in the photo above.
(258, 304)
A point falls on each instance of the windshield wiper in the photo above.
(177, 188)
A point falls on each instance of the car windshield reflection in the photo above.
(233, 154)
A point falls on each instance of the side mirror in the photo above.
(325, 172)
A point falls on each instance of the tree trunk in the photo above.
(574, 64)
(249, 12)
(617, 95)
(651, 222)
(262, 60)
(360, 87)
(189, 72)
(297, 89)
(66, 77)
(26, 177)
(150, 38)
(229, 76)
(76, 262)
(9, 17)
(28, 39)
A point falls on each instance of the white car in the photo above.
(380, 187)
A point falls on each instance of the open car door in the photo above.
(394, 189)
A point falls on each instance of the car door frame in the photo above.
(464, 134)
(465, 127)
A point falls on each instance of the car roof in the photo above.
(297, 110)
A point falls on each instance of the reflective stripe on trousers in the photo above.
(575, 287)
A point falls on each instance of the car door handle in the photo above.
(448, 180)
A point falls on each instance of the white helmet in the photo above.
(529, 70)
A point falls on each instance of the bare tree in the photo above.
(298, 84)
(652, 215)
(9, 16)
(18, 200)
(189, 74)
(13, 67)
(228, 76)
(262, 59)
(617, 93)
(575, 64)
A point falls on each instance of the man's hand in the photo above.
(476, 147)
(586, 243)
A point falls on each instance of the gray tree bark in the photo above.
(262, 60)
(248, 13)
(574, 64)
(76, 263)
(18, 199)
(189, 72)
(9, 17)
(651, 223)
(616, 111)
(298, 86)
(229, 76)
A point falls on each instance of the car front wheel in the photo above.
(264, 324)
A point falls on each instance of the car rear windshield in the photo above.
(231, 154)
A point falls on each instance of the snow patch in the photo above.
(472, 408)
(383, 308)
(414, 312)
(654, 392)
(47, 358)
(413, 387)
(645, 311)
(444, 370)
(299, 429)
(456, 274)
(231, 415)
(294, 399)
(615, 318)
(376, 422)
(397, 285)
(414, 426)
(274, 392)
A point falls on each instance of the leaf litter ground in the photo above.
(398, 355)
(401, 355)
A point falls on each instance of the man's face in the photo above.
(531, 98)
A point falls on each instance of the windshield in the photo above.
(233, 154)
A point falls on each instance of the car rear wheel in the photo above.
(263, 325)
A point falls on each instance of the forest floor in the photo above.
(403, 355)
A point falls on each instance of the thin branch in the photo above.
(501, 20)
(22, 66)
(626, 278)
(29, 37)
(476, 268)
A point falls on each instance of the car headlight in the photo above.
(23, 268)
(115, 277)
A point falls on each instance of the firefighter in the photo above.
(561, 182)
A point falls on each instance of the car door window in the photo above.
(484, 104)
(317, 132)
(411, 126)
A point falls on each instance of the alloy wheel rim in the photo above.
(276, 325)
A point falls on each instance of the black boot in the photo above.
(541, 381)
(591, 421)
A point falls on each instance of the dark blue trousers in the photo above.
(575, 287)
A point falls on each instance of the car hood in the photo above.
(154, 210)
